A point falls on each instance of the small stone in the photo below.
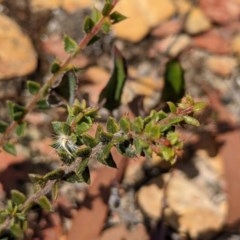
(236, 45)
(68, 5)
(181, 43)
(150, 198)
(221, 65)
(139, 23)
(167, 28)
(17, 56)
(197, 22)
(183, 6)
(221, 11)
(213, 42)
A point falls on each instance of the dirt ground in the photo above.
(198, 197)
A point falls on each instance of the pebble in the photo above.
(17, 56)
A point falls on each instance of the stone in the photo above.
(68, 5)
(236, 45)
(183, 6)
(150, 198)
(221, 11)
(197, 22)
(17, 56)
(221, 65)
(191, 210)
(180, 44)
(170, 27)
(139, 23)
(213, 42)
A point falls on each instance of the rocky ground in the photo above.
(199, 197)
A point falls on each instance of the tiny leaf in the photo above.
(96, 15)
(191, 120)
(17, 197)
(172, 107)
(33, 87)
(61, 128)
(55, 67)
(70, 46)
(125, 124)
(117, 17)
(106, 27)
(16, 231)
(112, 125)
(20, 129)
(82, 128)
(3, 126)
(45, 204)
(167, 153)
(10, 148)
(89, 140)
(16, 111)
(137, 125)
(106, 9)
(88, 25)
(105, 157)
(113, 90)
(54, 190)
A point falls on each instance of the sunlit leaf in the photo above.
(70, 46)
(33, 87)
(17, 197)
(45, 204)
(117, 17)
(10, 148)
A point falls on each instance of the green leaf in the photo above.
(112, 126)
(70, 46)
(117, 17)
(72, 177)
(17, 197)
(85, 175)
(125, 124)
(113, 90)
(3, 126)
(172, 107)
(88, 24)
(10, 148)
(173, 138)
(126, 149)
(105, 156)
(96, 15)
(43, 104)
(45, 204)
(20, 129)
(16, 111)
(191, 120)
(61, 128)
(84, 152)
(137, 125)
(153, 130)
(54, 191)
(55, 174)
(65, 89)
(199, 106)
(106, 9)
(55, 67)
(106, 27)
(174, 82)
(89, 140)
(17, 231)
(82, 128)
(93, 40)
(33, 87)
(167, 153)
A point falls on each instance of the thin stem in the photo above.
(82, 45)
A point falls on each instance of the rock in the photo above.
(17, 56)
(221, 11)
(170, 27)
(68, 5)
(197, 22)
(221, 65)
(139, 23)
(191, 210)
(171, 45)
(183, 6)
(181, 43)
(213, 42)
(236, 45)
(150, 198)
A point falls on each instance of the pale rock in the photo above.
(68, 5)
(17, 56)
(150, 198)
(191, 210)
(142, 15)
(172, 45)
(221, 65)
(197, 22)
(236, 45)
(182, 42)
(135, 27)
(183, 6)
